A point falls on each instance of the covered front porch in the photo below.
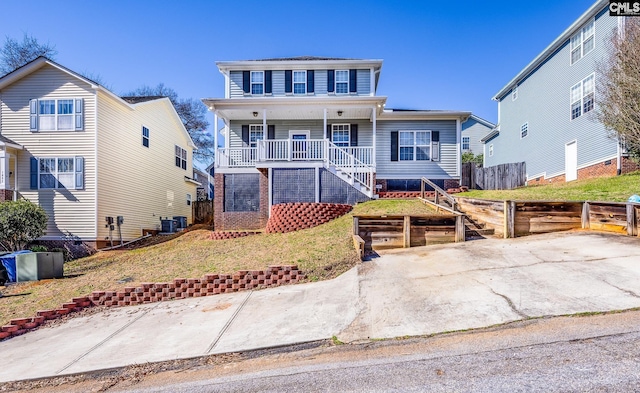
(8, 169)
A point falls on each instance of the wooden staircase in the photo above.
(475, 229)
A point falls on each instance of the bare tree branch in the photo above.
(15, 54)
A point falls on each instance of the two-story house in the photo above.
(546, 112)
(473, 130)
(85, 154)
(311, 129)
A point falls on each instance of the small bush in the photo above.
(20, 222)
(38, 248)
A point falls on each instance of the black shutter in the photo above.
(246, 81)
(310, 81)
(331, 84)
(267, 82)
(394, 145)
(353, 81)
(245, 135)
(34, 173)
(271, 131)
(287, 82)
(354, 135)
(435, 136)
(329, 131)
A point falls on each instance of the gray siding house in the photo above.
(473, 130)
(311, 129)
(546, 112)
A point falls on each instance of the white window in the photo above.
(299, 82)
(257, 82)
(145, 136)
(465, 143)
(188, 199)
(340, 134)
(256, 133)
(56, 115)
(583, 97)
(61, 172)
(582, 42)
(181, 157)
(524, 130)
(342, 81)
(491, 150)
(514, 93)
(415, 145)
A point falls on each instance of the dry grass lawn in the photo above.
(322, 252)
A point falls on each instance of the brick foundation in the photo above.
(6, 195)
(604, 169)
(383, 183)
(219, 235)
(240, 220)
(180, 288)
(289, 217)
(451, 183)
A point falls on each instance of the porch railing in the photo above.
(292, 150)
(354, 169)
(237, 157)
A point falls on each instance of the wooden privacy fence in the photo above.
(202, 212)
(498, 177)
(382, 232)
(521, 218)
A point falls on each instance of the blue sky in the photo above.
(437, 55)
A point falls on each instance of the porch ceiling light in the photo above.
(255, 114)
(339, 113)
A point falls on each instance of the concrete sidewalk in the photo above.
(416, 291)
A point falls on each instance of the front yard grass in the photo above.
(614, 189)
(322, 252)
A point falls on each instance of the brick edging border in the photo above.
(180, 288)
(225, 235)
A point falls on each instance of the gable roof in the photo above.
(551, 49)
(482, 121)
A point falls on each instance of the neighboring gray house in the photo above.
(311, 129)
(473, 130)
(546, 112)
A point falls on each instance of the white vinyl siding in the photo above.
(71, 212)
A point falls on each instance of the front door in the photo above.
(571, 161)
(299, 144)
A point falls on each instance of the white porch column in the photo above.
(325, 124)
(227, 132)
(375, 121)
(4, 169)
(326, 137)
(215, 142)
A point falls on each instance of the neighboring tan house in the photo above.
(311, 129)
(473, 130)
(85, 154)
(546, 112)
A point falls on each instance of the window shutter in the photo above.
(310, 81)
(33, 111)
(354, 135)
(245, 135)
(287, 82)
(435, 145)
(331, 83)
(329, 131)
(79, 173)
(246, 81)
(267, 82)
(79, 109)
(394, 145)
(271, 131)
(353, 81)
(33, 165)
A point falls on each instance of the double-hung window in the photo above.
(582, 42)
(256, 133)
(465, 143)
(415, 145)
(56, 115)
(58, 173)
(257, 82)
(583, 97)
(299, 82)
(342, 81)
(340, 134)
(524, 130)
(181, 157)
(145, 136)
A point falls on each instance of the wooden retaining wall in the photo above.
(383, 232)
(521, 218)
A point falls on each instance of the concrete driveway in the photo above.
(415, 291)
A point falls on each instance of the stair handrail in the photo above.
(354, 163)
(439, 191)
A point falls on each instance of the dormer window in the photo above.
(299, 82)
(342, 81)
(257, 82)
